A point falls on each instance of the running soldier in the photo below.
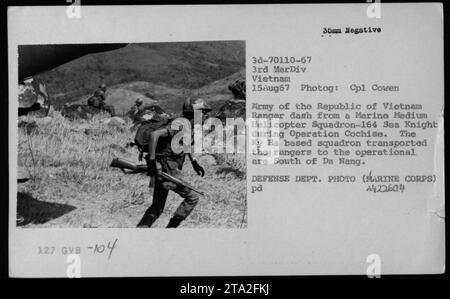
(161, 155)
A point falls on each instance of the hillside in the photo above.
(123, 96)
(181, 66)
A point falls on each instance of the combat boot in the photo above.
(174, 222)
(147, 221)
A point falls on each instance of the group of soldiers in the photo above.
(160, 156)
(98, 100)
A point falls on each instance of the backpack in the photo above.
(142, 137)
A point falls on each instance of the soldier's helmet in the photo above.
(195, 104)
(102, 86)
(139, 102)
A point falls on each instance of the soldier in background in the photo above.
(161, 155)
(137, 107)
(100, 93)
(98, 99)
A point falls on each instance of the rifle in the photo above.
(142, 168)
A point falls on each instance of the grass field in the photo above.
(72, 185)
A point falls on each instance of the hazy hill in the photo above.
(175, 66)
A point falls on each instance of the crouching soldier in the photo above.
(98, 100)
(162, 155)
(136, 109)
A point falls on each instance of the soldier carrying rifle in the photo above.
(161, 155)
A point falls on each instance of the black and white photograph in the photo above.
(87, 152)
(226, 140)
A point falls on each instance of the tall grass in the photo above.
(68, 163)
